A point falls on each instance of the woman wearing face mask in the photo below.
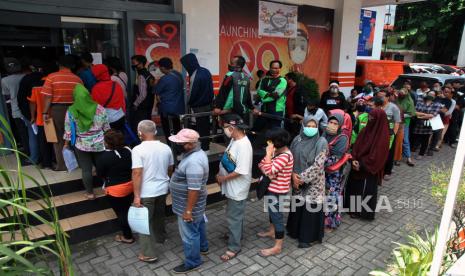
(309, 150)
(426, 109)
(369, 154)
(338, 145)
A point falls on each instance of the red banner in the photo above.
(155, 39)
(309, 52)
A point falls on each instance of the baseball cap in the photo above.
(234, 120)
(185, 135)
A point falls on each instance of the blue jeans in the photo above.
(194, 240)
(406, 143)
(276, 217)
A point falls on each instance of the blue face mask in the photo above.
(310, 131)
(368, 109)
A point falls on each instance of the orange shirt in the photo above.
(60, 86)
(38, 99)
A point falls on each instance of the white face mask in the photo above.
(298, 56)
(227, 132)
(333, 90)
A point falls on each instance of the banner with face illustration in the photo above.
(277, 20)
(308, 52)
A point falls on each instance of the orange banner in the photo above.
(309, 52)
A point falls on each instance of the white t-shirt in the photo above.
(242, 154)
(155, 158)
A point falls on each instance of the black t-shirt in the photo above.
(329, 102)
(115, 166)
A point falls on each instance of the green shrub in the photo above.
(18, 252)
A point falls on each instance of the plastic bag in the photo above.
(138, 219)
(70, 160)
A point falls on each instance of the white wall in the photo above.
(461, 56)
(379, 26)
(202, 31)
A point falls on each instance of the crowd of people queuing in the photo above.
(317, 150)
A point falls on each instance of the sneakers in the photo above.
(181, 269)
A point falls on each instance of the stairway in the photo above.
(86, 219)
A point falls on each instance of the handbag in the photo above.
(264, 182)
(336, 166)
(130, 138)
(227, 162)
(262, 187)
(73, 126)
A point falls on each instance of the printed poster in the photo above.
(366, 35)
(158, 38)
(277, 20)
(309, 52)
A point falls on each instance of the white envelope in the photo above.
(436, 123)
(138, 219)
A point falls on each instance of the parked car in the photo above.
(380, 72)
(417, 78)
(433, 68)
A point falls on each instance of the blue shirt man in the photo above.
(188, 188)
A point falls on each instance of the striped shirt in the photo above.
(191, 174)
(279, 171)
(60, 86)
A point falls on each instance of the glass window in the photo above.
(92, 35)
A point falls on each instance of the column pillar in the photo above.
(345, 41)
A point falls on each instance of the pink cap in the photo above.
(185, 135)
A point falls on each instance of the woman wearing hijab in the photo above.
(369, 155)
(89, 121)
(309, 150)
(337, 144)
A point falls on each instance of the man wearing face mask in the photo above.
(368, 90)
(296, 101)
(272, 94)
(152, 166)
(407, 106)
(333, 98)
(393, 115)
(142, 97)
(361, 117)
(234, 95)
(188, 188)
(235, 176)
(421, 91)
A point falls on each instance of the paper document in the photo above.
(138, 219)
(436, 123)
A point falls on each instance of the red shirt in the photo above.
(290, 101)
(101, 93)
(279, 171)
(60, 86)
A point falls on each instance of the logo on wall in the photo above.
(157, 39)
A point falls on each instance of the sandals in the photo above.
(229, 255)
(121, 239)
(148, 259)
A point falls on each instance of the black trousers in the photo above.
(454, 128)
(390, 161)
(138, 115)
(45, 148)
(435, 139)
(203, 126)
(422, 140)
(168, 129)
(121, 206)
(119, 125)
(21, 129)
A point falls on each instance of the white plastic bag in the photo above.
(138, 219)
(70, 160)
